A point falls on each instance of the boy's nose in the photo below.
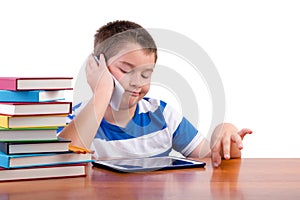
(135, 81)
(138, 81)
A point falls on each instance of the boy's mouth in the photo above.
(133, 93)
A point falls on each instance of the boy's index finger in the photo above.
(102, 60)
(244, 132)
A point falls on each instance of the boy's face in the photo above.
(133, 69)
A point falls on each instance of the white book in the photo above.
(55, 171)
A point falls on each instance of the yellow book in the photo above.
(28, 121)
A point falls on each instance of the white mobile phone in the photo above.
(117, 94)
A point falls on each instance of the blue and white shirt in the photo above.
(154, 130)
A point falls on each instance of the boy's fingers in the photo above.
(102, 60)
(238, 140)
(215, 154)
(226, 142)
(92, 60)
(244, 132)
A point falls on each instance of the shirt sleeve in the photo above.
(185, 137)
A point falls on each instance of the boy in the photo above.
(139, 127)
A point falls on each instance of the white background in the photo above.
(255, 46)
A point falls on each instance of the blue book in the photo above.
(31, 95)
(42, 159)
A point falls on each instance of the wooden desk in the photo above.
(235, 179)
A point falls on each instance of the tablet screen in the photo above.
(148, 164)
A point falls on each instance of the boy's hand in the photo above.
(226, 142)
(94, 71)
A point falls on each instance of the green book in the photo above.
(28, 134)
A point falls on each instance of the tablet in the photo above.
(148, 164)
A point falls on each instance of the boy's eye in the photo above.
(123, 70)
(146, 75)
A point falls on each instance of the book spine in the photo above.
(4, 161)
(4, 147)
(4, 121)
(8, 84)
(19, 96)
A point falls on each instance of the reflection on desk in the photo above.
(235, 179)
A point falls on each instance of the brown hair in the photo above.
(112, 37)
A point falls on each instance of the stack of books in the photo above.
(31, 112)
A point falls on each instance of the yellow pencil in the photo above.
(79, 149)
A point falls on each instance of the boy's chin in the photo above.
(128, 106)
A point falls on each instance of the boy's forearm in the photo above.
(102, 96)
(82, 129)
(202, 150)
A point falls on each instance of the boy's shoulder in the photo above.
(151, 104)
(158, 107)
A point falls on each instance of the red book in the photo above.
(35, 83)
(35, 108)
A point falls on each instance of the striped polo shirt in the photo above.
(154, 130)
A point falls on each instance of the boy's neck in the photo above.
(119, 118)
